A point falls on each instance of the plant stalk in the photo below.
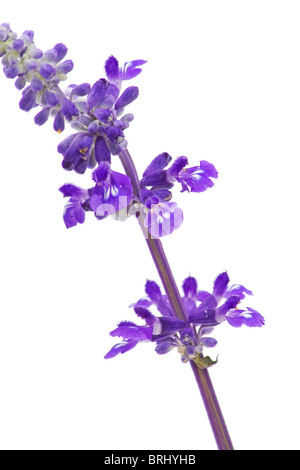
(202, 377)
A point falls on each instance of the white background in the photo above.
(222, 83)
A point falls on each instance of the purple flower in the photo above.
(189, 287)
(77, 152)
(198, 178)
(248, 317)
(155, 297)
(42, 116)
(112, 192)
(42, 72)
(102, 110)
(121, 348)
(195, 179)
(204, 311)
(28, 100)
(68, 109)
(130, 94)
(155, 174)
(131, 69)
(212, 311)
(163, 218)
(95, 110)
(167, 331)
(116, 74)
(74, 212)
(155, 329)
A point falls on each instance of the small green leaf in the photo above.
(204, 362)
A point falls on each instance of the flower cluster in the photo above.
(111, 193)
(93, 111)
(96, 113)
(162, 216)
(204, 311)
(100, 124)
(196, 179)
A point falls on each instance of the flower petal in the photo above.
(73, 214)
(197, 179)
(170, 325)
(145, 314)
(220, 284)
(190, 287)
(153, 291)
(208, 342)
(28, 100)
(131, 69)
(163, 219)
(206, 317)
(237, 289)
(68, 109)
(102, 152)
(42, 117)
(139, 333)
(158, 164)
(112, 69)
(165, 345)
(120, 348)
(97, 93)
(130, 94)
(249, 317)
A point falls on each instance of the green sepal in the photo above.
(204, 362)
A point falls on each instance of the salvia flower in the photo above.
(74, 212)
(101, 117)
(222, 305)
(111, 193)
(38, 75)
(204, 311)
(163, 217)
(97, 115)
(94, 111)
(116, 74)
(195, 179)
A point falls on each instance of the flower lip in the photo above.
(131, 69)
(249, 317)
(169, 332)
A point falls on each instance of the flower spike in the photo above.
(96, 113)
(188, 337)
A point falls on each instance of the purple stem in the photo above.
(212, 407)
(203, 380)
